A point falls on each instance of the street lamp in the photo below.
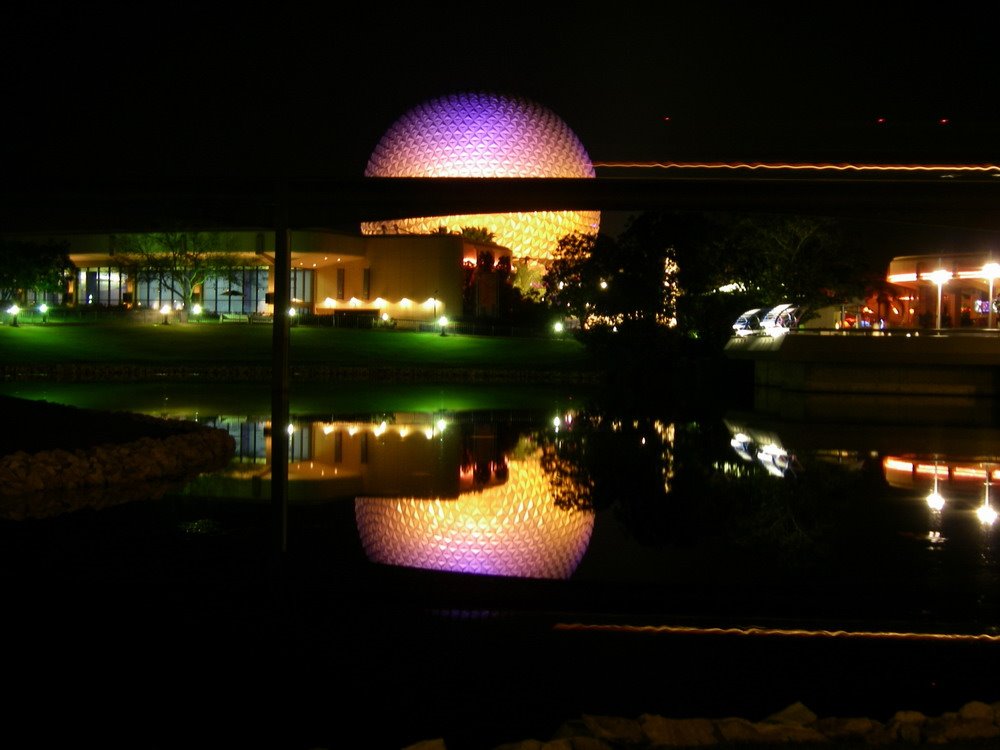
(165, 311)
(443, 322)
(939, 277)
(991, 271)
(14, 310)
(44, 310)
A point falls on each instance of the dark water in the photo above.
(483, 573)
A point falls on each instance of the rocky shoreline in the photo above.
(974, 725)
(66, 448)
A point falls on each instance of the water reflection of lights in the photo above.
(934, 500)
(985, 511)
(784, 632)
(774, 458)
(763, 448)
(513, 529)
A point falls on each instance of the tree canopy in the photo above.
(179, 261)
(614, 282)
(28, 265)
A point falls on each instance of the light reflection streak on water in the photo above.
(782, 632)
(991, 169)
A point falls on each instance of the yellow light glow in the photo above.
(991, 271)
(986, 514)
(354, 302)
(898, 278)
(329, 302)
(935, 501)
(379, 302)
(405, 302)
(939, 277)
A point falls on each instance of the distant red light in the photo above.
(666, 119)
(943, 121)
(880, 121)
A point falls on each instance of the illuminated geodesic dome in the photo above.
(486, 135)
(513, 529)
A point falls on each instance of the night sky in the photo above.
(211, 93)
(206, 93)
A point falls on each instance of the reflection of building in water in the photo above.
(511, 529)
(967, 481)
(414, 454)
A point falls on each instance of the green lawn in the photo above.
(234, 343)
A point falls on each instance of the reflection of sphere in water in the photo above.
(486, 135)
(513, 529)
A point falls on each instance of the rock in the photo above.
(947, 728)
(851, 728)
(522, 745)
(904, 726)
(588, 743)
(796, 713)
(435, 744)
(908, 717)
(677, 732)
(776, 732)
(737, 731)
(976, 710)
(614, 729)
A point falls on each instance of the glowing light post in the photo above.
(443, 322)
(165, 311)
(991, 271)
(939, 277)
(44, 310)
(14, 310)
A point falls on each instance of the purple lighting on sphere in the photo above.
(486, 135)
(479, 135)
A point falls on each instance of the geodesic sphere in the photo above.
(513, 529)
(486, 135)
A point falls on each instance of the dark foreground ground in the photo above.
(163, 624)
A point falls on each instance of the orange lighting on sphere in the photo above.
(513, 529)
(486, 135)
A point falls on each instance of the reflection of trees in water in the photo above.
(679, 485)
(569, 480)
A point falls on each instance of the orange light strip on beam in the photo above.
(897, 278)
(941, 471)
(805, 167)
(896, 465)
(794, 633)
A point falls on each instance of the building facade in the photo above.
(409, 279)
